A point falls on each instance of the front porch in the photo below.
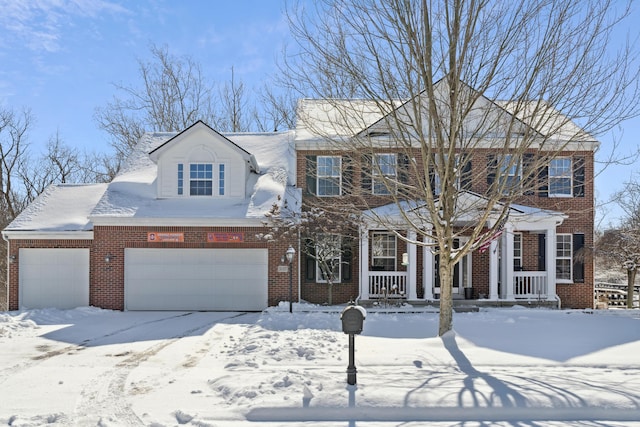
(517, 267)
(392, 286)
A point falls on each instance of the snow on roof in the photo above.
(132, 193)
(61, 207)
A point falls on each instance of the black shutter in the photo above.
(465, 175)
(543, 181)
(347, 175)
(542, 251)
(310, 262)
(346, 263)
(578, 177)
(403, 172)
(578, 258)
(365, 173)
(311, 171)
(529, 181)
(432, 175)
(492, 169)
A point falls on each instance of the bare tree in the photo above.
(621, 246)
(174, 95)
(327, 239)
(233, 102)
(449, 78)
(277, 109)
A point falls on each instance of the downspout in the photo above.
(6, 239)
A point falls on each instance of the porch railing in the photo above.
(530, 284)
(387, 284)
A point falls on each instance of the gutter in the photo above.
(6, 239)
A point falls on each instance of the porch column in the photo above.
(412, 267)
(427, 269)
(507, 262)
(551, 263)
(493, 270)
(364, 263)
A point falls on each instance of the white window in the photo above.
(329, 175)
(510, 173)
(384, 173)
(201, 180)
(560, 177)
(384, 251)
(564, 251)
(517, 251)
(328, 254)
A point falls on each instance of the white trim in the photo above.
(183, 222)
(48, 235)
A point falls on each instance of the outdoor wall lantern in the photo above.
(289, 254)
(405, 259)
(108, 258)
(12, 259)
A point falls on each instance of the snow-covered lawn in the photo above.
(90, 367)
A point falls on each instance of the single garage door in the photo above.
(196, 279)
(57, 278)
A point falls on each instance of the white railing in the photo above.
(530, 284)
(387, 284)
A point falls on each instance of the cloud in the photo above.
(39, 24)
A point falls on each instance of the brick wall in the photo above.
(107, 279)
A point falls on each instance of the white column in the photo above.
(550, 257)
(412, 268)
(427, 270)
(507, 262)
(493, 270)
(363, 275)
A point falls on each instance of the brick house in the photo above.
(177, 228)
(539, 257)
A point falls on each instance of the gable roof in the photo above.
(247, 156)
(131, 197)
(319, 120)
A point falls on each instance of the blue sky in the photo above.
(60, 58)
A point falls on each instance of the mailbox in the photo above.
(352, 319)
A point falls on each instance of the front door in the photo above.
(461, 271)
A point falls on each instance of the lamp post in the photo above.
(289, 254)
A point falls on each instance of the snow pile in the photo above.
(97, 367)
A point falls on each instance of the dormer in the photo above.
(200, 162)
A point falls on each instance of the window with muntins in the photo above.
(221, 179)
(384, 174)
(329, 175)
(328, 254)
(564, 251)
(510, 173)
(201, 179)
(384, 251)
(560, 177)
(517, 251)
(180, 179)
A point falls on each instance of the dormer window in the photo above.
(202, 179)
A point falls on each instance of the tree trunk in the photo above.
(446, 297)
(631, 280)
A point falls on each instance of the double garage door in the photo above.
(155, 279)
(196, 279)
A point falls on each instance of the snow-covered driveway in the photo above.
(90, 367)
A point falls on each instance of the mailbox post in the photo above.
(352, 320)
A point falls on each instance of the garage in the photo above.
(57, 278)
(196, 279)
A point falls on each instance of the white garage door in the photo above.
(56, 278)
(196, 279)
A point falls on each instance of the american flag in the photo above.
(497, 232)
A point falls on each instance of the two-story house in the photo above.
(180, 227)
(540, 254)
(175, 229)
